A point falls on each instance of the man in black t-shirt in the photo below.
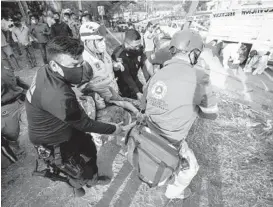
(60, 28)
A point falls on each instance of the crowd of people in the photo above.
(76, 65)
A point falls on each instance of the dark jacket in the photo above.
(61, 29)
(53, 111)
(11, 89)
(128, 81)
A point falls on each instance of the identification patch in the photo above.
(98, 66)
(159, 90)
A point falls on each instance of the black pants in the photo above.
(81, 143)
(42, 47)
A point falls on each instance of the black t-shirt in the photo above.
(61, 29)
(53, 111)
(128, 81)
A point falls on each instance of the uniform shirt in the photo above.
(103, 74)
(53, 111)
(60, 29)
(128, 81)
(21, 35)
(174, 97)
(38, 31)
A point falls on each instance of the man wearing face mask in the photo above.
(60, 28)
(54, 115)
(132, 56)
(21, 35)
(41, 32)
(174, 97)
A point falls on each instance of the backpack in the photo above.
(153, 156)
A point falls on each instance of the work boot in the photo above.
(98, 180)
(80, 192)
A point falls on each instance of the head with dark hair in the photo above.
(66, 17)
(267, 53)
(86, 17)
(34, 18)
(16, 21)
(56, 17)
(149, 27)
(65, 57)
(132, 40)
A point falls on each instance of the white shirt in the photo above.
(149, 42)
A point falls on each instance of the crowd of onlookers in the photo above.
(20, 34)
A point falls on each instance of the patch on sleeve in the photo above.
(159, 90)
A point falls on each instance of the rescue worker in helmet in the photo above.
(100, 78)
(174, 97)
(101, 66)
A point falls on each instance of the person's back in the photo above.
(170, 106)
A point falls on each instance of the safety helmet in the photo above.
(186, 40)
(92, 31)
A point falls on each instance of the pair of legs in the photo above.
(184, 177)
(29, 54)
(81, 144)
(9, 58)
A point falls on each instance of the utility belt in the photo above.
(155, 159)
(72, 166)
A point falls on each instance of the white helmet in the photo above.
(91, 31)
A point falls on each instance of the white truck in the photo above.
(252, 26)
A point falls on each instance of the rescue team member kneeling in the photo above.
(53, 112)
(172, 116)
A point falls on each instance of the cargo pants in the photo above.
(184, 177)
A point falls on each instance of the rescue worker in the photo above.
(12, 97)
(99, 74)
(172, 116)
(55, 118)
(103, 78)
(132, 56)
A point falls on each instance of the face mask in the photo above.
(33, 21)
(72, 75)
(57, 20)
(136, 52)
(17, 24)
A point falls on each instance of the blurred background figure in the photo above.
(252, 61)
(41, 32)
(21, 35)
(262, 64)
(149, 40)
(60, 28)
